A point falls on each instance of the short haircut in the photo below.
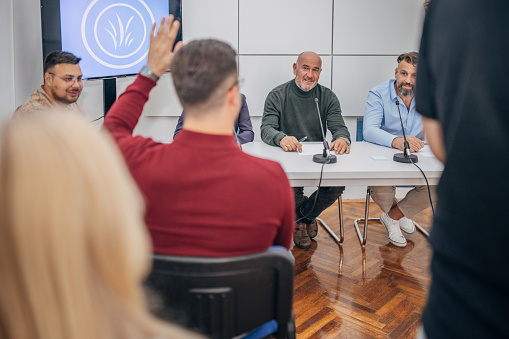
(410, 57)
(200, 70)
(59, 57)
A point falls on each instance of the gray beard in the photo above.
(305, 90)
(406, 92)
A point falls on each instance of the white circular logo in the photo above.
(117, 38)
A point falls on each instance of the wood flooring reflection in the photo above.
(347, 292)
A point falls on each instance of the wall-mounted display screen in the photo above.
(111, 36)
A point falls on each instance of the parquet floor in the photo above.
(347, 292)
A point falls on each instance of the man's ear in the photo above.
(47, 79)
(396, 73)
(233, 101)
(295, 68)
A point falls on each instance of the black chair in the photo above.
(226, 297)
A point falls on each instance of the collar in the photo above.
(392, 90)
(207, 142)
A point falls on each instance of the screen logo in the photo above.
(116, 34)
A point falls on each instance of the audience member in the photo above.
(290, 114)
(63, 83)
(242, 126)
(382, 125)
(462, 94)
(73, 246)
(205, 197)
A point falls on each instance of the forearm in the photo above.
(378, 136)
(269, 130)
(338, 127)
(125, 112)
(435, 137)
(245, 136)
(246, 133)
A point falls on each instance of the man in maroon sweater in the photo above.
(204, 196)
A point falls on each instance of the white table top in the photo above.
(356, 168)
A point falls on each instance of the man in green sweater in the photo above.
(289, 115)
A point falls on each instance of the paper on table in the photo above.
(310, 148)
(426, 151)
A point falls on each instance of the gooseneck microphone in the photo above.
(324, 157)
(406, 156)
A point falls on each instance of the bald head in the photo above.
(307, 70)
(309, 56)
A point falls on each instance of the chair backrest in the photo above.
(225, 297)
(360, 123)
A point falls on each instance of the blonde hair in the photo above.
(73, 245)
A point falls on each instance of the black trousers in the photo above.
(304, 206)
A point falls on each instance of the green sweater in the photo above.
(291, 111)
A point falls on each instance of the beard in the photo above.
(303, 85)
(64, 99)
(406, 92)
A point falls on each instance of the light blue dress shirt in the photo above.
(381, 119)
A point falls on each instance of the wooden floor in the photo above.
(347, 292)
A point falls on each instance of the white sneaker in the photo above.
(407, 225)
(392, 226)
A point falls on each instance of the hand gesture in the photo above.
(160, 51)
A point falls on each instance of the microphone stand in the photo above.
(323, 158)
(404, 157)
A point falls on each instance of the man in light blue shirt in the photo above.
(382, 126)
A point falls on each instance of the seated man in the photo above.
(290, 114)
(62, 85)
(204, 196)
(382, 126)
(242, 127)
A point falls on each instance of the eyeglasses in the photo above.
(69, 81)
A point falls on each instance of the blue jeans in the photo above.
(304, 210)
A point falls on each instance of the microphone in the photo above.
(404, 157)
(323, 158)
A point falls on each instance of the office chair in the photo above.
(226, 297)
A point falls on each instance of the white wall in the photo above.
(357, 40)
(6, 51)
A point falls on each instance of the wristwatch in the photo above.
(146, 71)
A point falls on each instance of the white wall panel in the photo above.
(210, 19)
(285, 26)
(7, 83)
(377, 27)
(354, 76)
(28, 58)
(260, 74)
(91, 99)
(163, 100)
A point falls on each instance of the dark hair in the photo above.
(200, 68)
(59, 57)
(410, 57)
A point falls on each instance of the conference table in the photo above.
(367, 164)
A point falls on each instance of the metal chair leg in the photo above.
(341, 237)
(364, 237)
